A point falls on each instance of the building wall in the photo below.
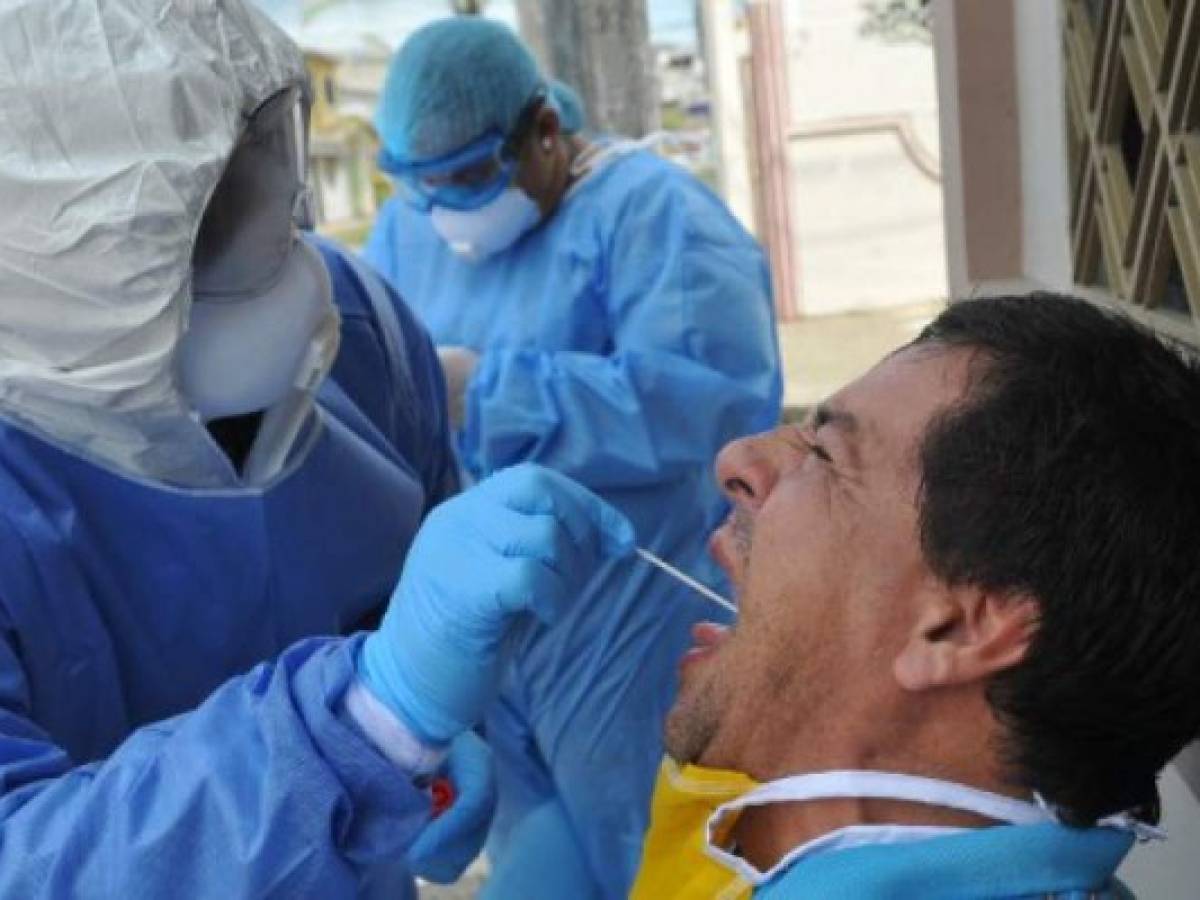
(1005, 173)
(838, 72)
(322, 71)
(333, 183)
(870, 225)
(726, 46)
(1169, 869)
(342, 142)
(1041, 92)
(864, 153)
(981, 141)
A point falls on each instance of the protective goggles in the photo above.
(470, 177)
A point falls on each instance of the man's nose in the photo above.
(748, 468)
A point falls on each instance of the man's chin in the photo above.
(688, 731)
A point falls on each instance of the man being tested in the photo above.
(968, 619)
(969, 613)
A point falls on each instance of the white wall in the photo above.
(1169, 869)
(950, 147)
(837, 72)
(1042, 124)
(1045, 182)
(870, 227)
(727, 44)
(337, 204)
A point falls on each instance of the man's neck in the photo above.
(955, 745)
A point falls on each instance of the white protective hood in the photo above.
(117, 120)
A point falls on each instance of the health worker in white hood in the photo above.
(218, 436)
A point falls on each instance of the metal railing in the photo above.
(899, 124)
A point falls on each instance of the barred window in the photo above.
(1133, 104)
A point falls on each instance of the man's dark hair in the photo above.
(1070, 472)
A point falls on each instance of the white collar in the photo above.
(865, 784)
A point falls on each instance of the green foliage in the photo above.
(674, 119)
(897, 21)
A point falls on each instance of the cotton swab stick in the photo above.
(686, 579)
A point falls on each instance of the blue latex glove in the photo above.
(450, 842)
(525, 540)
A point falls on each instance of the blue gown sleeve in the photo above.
(263, 790)
(693, 361)
(547, 833)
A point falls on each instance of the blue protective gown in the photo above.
(1047, 862)
(146, 748)
(624, 342)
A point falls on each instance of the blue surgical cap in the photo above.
(456, 79)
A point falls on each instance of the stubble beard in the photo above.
(692, 724)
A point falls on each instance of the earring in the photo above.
(547, 144)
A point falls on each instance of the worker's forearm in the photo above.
(265, 789)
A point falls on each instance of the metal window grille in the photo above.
(1133, 105)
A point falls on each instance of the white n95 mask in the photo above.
(244, 357)
(477, 234)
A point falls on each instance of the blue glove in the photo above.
(525, 540)
(450, 843)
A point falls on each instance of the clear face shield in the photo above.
(260, 295)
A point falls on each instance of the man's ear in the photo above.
(965, 634)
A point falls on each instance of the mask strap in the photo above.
(891, 786)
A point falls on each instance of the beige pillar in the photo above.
(772, 110)
(981, 141)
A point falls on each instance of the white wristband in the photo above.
(390, 736)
